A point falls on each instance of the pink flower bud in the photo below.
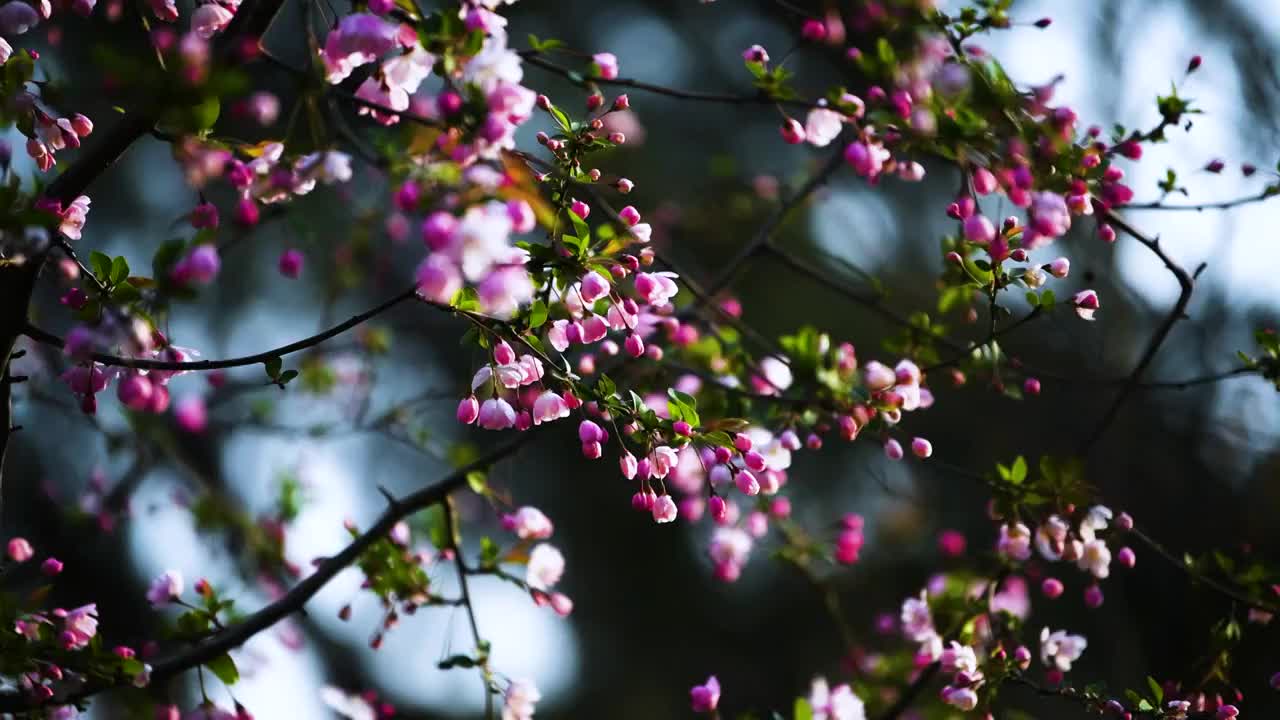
(468, 410)
(1093, 597)
(135, 392)
(742, 442)
(984, 182)
(719, 511)
(51, 567)
(792, 131)
(978, 229)
(813, 30)
(893, 449)
(20, 550)
(624, 185)
(204, 215)
(921, 447)
(1052, 588)
(622, 102)
(1059, 268)
(629, 215)
(1194, 64)
(747, 483)
(634, 345)
(579, 208)
(628, 464)
(754, 461)
(617, 138)
(592, 450)
(1124, 521)
(1126, 557)
(291, 263)
(561, 604)
(682, 428)
(664, 509)
(1031, 386)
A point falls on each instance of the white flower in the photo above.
(546, 566)
(959, 658)
(822, 126)
(1059, 650)
(917, 622)
(494, 64)
(837, 704)
(1096, 519)
(519, 700)
(352, 707)
(1095, 557)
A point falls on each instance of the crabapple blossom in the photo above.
(165, 588)
(1059, 650)
(519, 700)
(546, 566)
(705, 698)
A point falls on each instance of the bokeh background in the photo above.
(1197, 467)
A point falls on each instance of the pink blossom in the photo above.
(80, 626)
(358, 39)
(290, 263)
(548, 407)
(705, 697)
(210, 19)
(1086, 303)
(978, 229)
(1015, 541)
(921, 447)
(438, 278)
(664, 509)
(606, 65)
(191, 414)
(200, 266)
(164, 588)
(822, 125)
(496, 414)
(20, 550)
(792, 131)
(73, 218)
(529, 523)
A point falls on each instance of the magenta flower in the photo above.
(705, 697)
(165, 588)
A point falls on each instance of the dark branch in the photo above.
(297, 597)
(1186, 285)
(39, 335)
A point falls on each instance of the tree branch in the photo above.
(47, 338)
(1186, 284)
(236, 635)
(535, 58)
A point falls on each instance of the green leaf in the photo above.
(537, 314)
(273, 366)
(802, 710)
(224, 668)
(119, 270)
(561, 119)
(1033, 299)
(286, 376)
(1156, 691)
(100, 263)
(457, 661)
(1047, 299)
(478, 483)
(1019, 471)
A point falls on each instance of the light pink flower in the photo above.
(164, 588)
(546, 567)
(73, 218)
(210, 19)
